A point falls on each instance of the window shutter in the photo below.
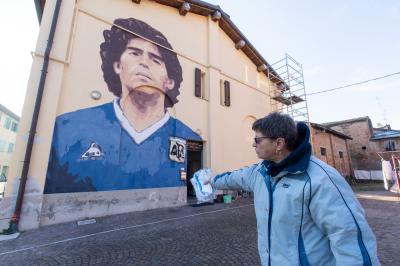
(197, 82)
(227, 88)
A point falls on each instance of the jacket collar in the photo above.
(297, 161)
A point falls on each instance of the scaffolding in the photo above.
(289, 95)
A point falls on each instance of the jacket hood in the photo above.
(298, 160)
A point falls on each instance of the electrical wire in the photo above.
(354, 84)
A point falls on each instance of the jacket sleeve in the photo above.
(336, 211)
(240, 179)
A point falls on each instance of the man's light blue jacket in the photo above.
(305, 216)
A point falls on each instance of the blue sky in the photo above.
(337, 42)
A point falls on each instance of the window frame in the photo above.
(7, 123)
(225, 93)
(200, 84)
(14, 126)
(10, 145)
(389, 145)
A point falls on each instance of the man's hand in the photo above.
(209, 175)
(207, 181)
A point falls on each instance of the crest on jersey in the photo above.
(94, 152)
(177, 149)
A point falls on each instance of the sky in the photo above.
(337, 42)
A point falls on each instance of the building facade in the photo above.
(332, 147)
(138, 96)
(8, 133)
(368, 145)
(386, 140)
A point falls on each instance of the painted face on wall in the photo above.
(142, 69)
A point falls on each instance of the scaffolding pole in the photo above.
(289, 95)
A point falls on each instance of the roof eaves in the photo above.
(205, 9)
(347, 121)
(8, 112)
(39, 5)
(329, 130)
(256, 57)
(385, 136)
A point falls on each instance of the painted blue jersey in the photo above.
(91, 152)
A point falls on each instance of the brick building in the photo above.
(331, 147)
(365, 144)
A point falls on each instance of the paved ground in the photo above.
(383, 213)
(209, 235)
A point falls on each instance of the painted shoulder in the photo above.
(183, 131)
(100, 112)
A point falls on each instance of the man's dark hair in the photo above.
(277, 125)
(115, 42)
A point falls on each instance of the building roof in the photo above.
(329, 130)
(224, 22)
(8, 112)
(347, 121)
(385, 134)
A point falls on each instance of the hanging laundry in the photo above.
(387, 172)
(395, 187)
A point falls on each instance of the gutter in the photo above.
(13, 228)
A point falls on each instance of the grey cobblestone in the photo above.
(224, 235)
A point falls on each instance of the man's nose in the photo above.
(144, 64)
(254, 144)
(144, 61)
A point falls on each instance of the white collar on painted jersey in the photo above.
(138, 137)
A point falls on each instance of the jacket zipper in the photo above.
(270, 210)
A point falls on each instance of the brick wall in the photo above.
(363, 151)
(333, 145)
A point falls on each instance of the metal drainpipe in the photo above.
(24, 176)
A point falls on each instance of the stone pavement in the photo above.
(217, 234)
(383, 214)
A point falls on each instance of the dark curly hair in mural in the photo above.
(115, 41)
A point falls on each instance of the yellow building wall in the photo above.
(7, 137)
(75, 71)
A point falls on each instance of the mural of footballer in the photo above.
(131, 142)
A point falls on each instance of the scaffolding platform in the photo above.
(289, 96)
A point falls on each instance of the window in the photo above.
(4, 171)
(14, 126)
(2, 145)
(390, 145)
(340, 154)
(323, 151)
(364, 147)
(199, 83)
(225, 93)
(10, 147)
(7, 123)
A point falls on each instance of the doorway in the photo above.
(194, 163)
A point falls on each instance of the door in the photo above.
(194, 163)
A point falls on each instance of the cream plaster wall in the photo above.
(75, 71)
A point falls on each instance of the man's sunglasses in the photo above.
(259, 139)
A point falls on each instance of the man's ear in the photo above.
(117, 67)
(169, 84)
(281, 143)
